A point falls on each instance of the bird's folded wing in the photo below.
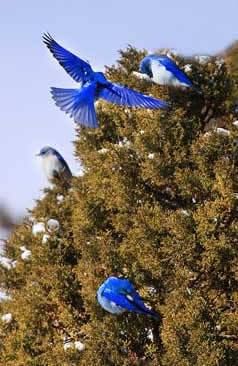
(171, 66)
(73, 65)
(65, 165)
(126, 301)
(118, 94)
(119, 299)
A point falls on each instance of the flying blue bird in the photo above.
(79, 103)
(117, 295)
(54, 164)
(162, 70)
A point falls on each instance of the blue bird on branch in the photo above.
(79, 103)
(54, 164)
(118, 295)
(162, 70)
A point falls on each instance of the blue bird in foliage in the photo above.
(54, 164)
(162, 70)
(79, 103)
(117, 295)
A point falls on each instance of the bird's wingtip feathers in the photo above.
(47, 39)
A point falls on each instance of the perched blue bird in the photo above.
(54, 164)
(79, 103)
(116, 296)
(162, 70)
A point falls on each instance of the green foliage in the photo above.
(231, 55)
(158, 205)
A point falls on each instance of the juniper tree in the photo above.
(232, 63)
(158, 205)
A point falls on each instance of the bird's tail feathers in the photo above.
(79, 103)
(154, 314)
(148, 311)
(140, 306)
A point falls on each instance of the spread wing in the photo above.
(78, 69)
(121, 95)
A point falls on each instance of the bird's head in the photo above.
(145, 67)
(45, 151)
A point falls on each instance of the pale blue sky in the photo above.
(95, 30)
